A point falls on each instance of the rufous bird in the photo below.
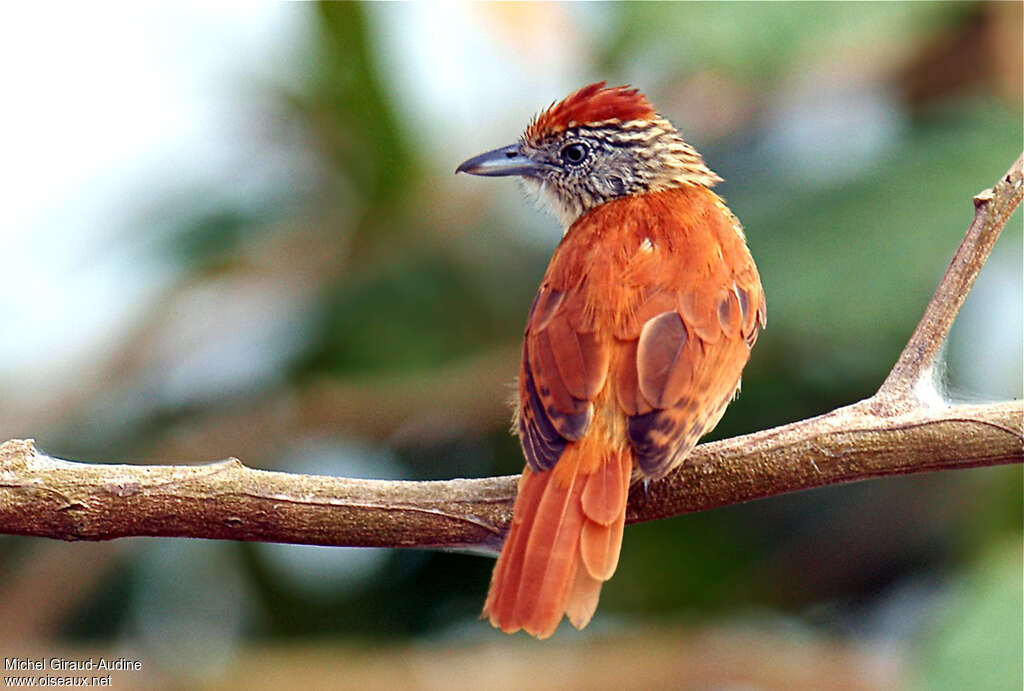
(633, 347)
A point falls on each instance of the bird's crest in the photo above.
(589, 105)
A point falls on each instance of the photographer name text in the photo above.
(63, 664)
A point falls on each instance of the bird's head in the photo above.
(597, 145)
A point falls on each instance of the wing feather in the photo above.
(542, 443)
(692, 339)
(688, 365)
(563, 369)
(662, 361)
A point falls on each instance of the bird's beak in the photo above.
(504, 161)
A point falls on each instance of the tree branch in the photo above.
(992, 209)
(896, 431)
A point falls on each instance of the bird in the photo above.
(633, 347)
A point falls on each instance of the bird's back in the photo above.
(650, 306)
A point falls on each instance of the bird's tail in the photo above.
(564, 541)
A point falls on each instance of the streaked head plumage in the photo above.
(596, 145)
(592, 105)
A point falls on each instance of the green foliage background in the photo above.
(848, 263)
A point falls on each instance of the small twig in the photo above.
(890, 433)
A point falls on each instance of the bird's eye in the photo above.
(574, 153)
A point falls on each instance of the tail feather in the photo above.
(604, 498)
(501, 602)
(551, 555)
(563, 544)
(586, 591)
(601, 538)
(599, 547)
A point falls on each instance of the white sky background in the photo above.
(105, 107)
(109, 108)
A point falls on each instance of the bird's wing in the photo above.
(686, 346)
(563, 369)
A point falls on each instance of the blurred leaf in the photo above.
(976, 639)
(348, 107)
(760, 40)
(702, 561)
(417, 312)
(849, 269)
(214, 235)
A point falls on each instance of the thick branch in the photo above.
(47, 497)
(891, 433)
